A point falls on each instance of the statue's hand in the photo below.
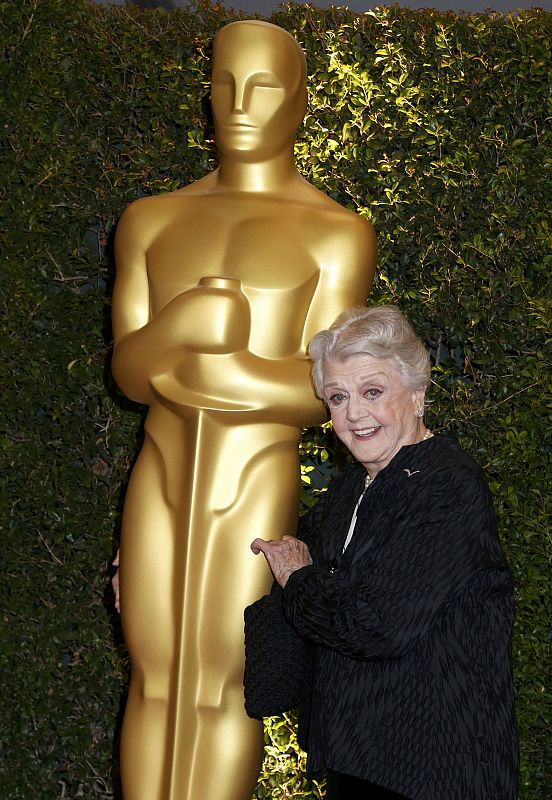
(276, 390)
(208, 381)
(212, 317)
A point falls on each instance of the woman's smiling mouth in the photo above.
(365, 432)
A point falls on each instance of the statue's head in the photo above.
(258, 89)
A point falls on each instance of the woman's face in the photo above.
(373, 412)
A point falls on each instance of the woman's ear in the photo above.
(418, 398)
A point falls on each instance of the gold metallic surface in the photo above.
(219, 288)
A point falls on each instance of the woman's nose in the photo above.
(356, 408)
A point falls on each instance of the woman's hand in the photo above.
(284, 557)
(115, 582)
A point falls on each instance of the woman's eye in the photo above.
(372, 393)
(336, 399)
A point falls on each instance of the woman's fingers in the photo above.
(284, 556)
(259, 545)
(115, 585)
(115, 582)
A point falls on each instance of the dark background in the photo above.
(266, 7)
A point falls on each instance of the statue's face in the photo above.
(256, 93)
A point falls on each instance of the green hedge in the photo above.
(437, 128)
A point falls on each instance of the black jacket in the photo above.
(413, 685)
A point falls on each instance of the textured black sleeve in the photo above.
(440, 538)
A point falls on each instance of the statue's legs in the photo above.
(147, 547)
(187, 574)
(251, 490)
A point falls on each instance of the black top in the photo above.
(412, 627)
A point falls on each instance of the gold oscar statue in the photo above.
(219, 288)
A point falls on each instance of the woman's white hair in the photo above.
(377, 331)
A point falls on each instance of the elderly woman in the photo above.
(398, 580)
